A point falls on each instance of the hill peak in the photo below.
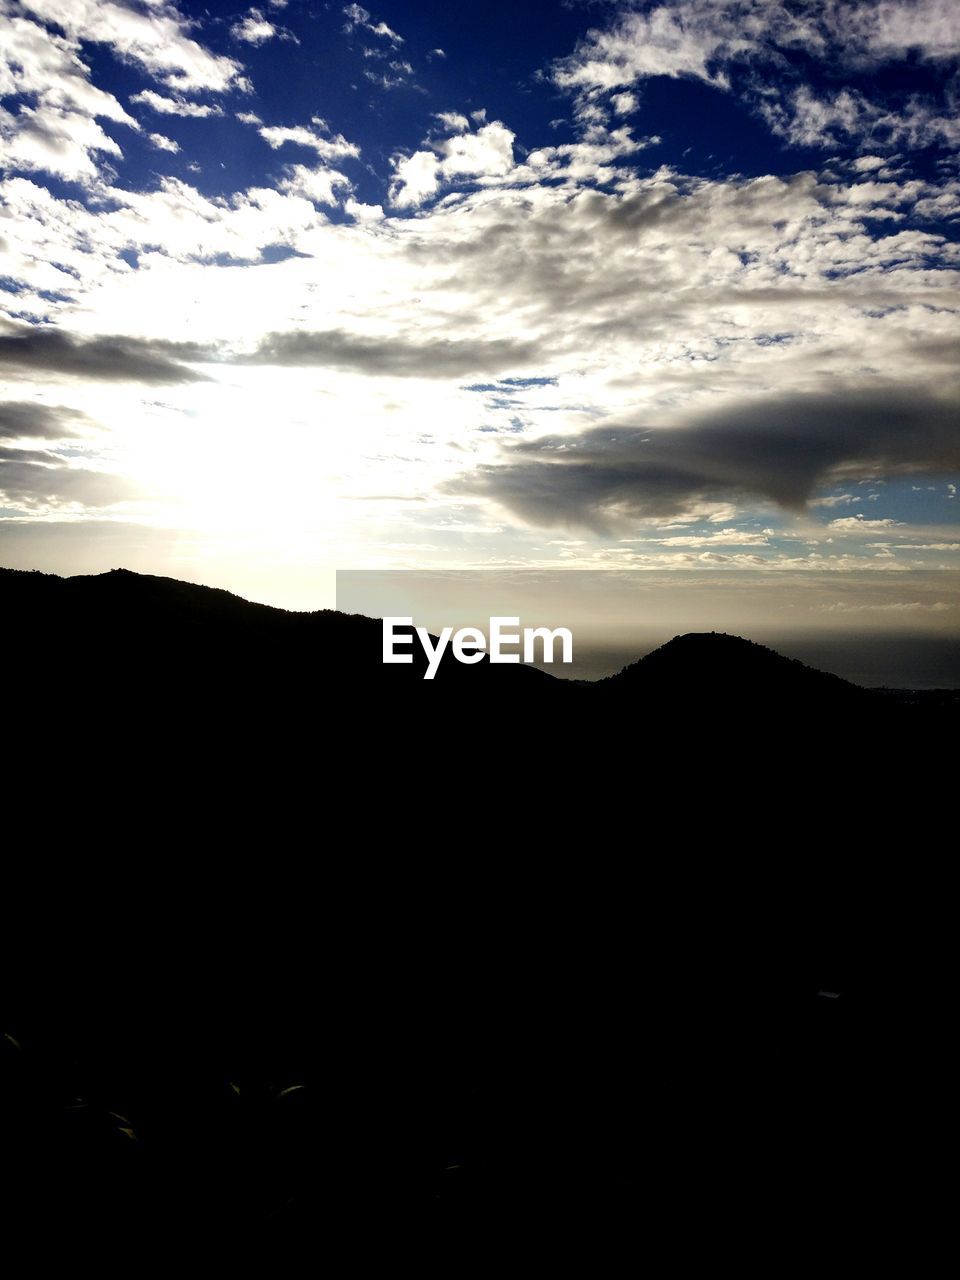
(715, 666)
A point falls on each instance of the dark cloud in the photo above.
(106, 359)
(393, 357)
(776, 448)
(26, 455)
(47, 421)
(35, 478)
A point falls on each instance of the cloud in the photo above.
(388, 71)
(254, 28)
(359, 17)
(638, 299)
(155, 38)
(398, 357)
(172, 222)
(21, 418)
(686, 38)
(747, 46)
(773, 448)
(51, 140)
(55, 127)
(452, 121)
(106, 359)
(318, 185)
(487, 153)
(175, 106)
(876, 33)
(37, 478)
(921, 546)
(722, 537)
(368, 213)
(893, 606)
(416, 179)
(587, 161)
(163, 143)
(53, 124)
(38, 63)
(834, 500)
(397, 75)
(860, 524)
(808, 119)
(486, 157)
(332, 148)
(705, 38)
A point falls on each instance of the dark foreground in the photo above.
(308, 956)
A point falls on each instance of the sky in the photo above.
(634, 286)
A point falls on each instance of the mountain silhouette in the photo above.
(299, 948)
(172, 667)
(122, 619)
(715, 668)
(139, 671)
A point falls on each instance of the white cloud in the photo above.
(722, 537)
(686, 38)
(896, 606)
(868, 164)
(582, 288)
(875, 33)
(54, 128)
(381, 29)
(741, 44)
(163, 143)
(41, 64)
(860, 524)
(834, 500)
(811, 120)
(155, 38)
(488, 152)
(486, 157)
(51, 140)
(254, 28)
(335, 147)
(395, 75)
(452, 121)
(318, 185)
(588, 161)
(363, 212)
(176, 105)
(416, 179)
(359, 17)
(703, 38)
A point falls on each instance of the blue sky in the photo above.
(305, 286)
